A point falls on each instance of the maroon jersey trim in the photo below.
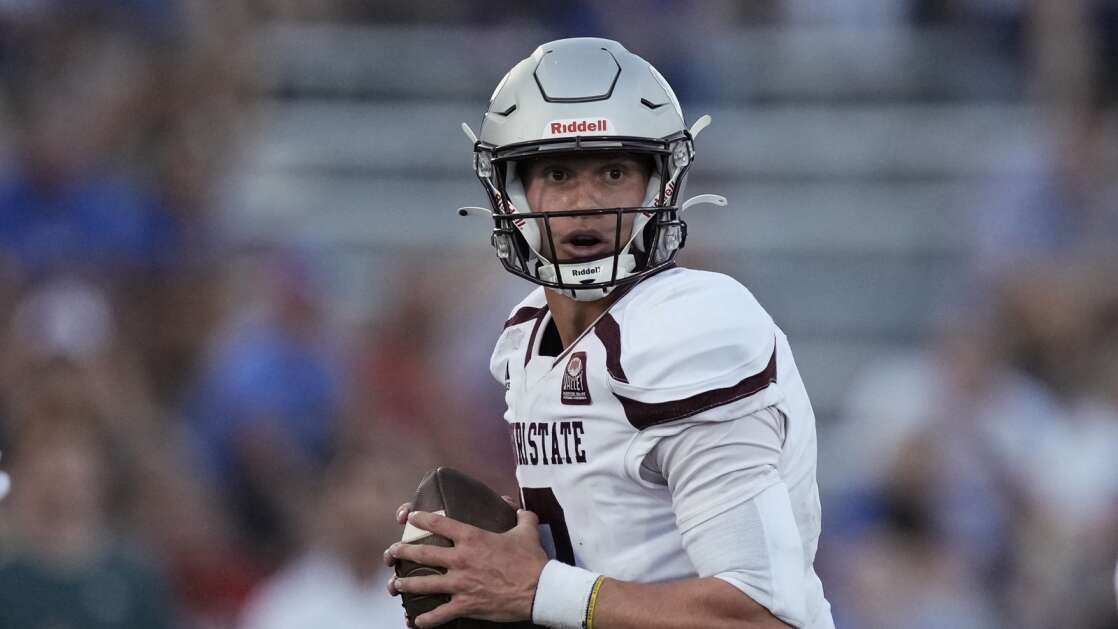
(609, 333)
(523, 315)
(644, 414)
(539, 315)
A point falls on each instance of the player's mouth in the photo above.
(584, 244)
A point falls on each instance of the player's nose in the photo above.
(584, 195)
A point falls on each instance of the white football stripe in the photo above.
(413, 533)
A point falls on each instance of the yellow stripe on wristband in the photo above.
(593, 602)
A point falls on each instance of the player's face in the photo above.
(585, 182)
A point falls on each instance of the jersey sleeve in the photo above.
(733, 509)
(699, 348)
(708, 467)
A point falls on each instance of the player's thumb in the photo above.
(527, 521)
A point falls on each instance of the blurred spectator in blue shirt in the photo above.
(264, 411)
(79, 91)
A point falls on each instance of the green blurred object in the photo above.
(112, 591)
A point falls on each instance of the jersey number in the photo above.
(542, 502)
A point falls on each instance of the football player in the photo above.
(665, 444)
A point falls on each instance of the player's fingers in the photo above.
(389, 558)
(392, 591)
(432, 584)
(512, 502)
(423, 554)
(402, 512)
(441, 525)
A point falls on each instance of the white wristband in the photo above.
(562, 595)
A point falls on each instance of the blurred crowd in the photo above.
(173, 445)
(973, 481)
(196, 440)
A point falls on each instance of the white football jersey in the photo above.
(681, 348)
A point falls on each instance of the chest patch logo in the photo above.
(575, 390)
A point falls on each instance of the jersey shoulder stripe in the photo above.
(646, 414)
(685, 342)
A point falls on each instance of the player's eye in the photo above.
(615, 173)
(555, 175)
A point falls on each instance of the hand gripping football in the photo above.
(451, 493)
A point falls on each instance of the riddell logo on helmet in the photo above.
(590, 271)
(577, 125)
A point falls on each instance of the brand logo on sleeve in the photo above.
(575, 390)
(577, 126)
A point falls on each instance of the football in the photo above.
(451, 493)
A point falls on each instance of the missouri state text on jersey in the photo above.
(548, 443)
(680, 348)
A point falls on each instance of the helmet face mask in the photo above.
(546, 106)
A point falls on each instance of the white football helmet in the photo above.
(575, 95)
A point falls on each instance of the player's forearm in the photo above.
(706, 603)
